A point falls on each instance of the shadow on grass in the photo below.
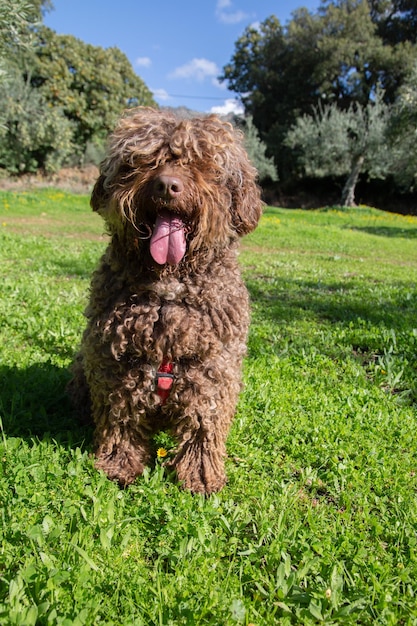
(34, 404)
(335, 302)
(388, 231)
(73, 268)
(376, 328)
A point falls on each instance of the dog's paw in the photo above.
(199, 471)
(121, 466)
(204, 486)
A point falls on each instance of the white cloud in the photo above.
(230, 106)
(196, 69)
(225, 14)
(160, 94)
(143, 62)
(217, 83)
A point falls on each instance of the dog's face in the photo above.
(176, 186)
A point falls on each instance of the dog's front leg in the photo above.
(199, 462)
(121, 452)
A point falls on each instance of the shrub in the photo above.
(33, 135)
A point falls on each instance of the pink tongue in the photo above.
(168, 239)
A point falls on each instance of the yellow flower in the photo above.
(161, 452)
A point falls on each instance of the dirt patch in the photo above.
(74, 180)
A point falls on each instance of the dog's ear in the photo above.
(247, 205)
(99, 195)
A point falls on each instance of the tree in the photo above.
(33, 135)
(29, 133)
(90, 84)
(273, 72)
(336, 55)
(256, 150)
(334, 142)
(61, 99)
(396, 20)
(16, 18)
(368, 58)
(403, 134)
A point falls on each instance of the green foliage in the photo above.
(92, 85)
(256, 150)
(337, 56)
(317, 523)
(356, 61)
(15, 19)
(33, 135)
(344, 143)
(396, 20)
(61, 100)
(274, 80)
(402, 133)
(94, 152)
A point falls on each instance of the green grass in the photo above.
(318, 522)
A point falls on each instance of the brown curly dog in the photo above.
(168, 313)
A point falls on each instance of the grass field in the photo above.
(318, 522)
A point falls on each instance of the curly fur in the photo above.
(193, 313)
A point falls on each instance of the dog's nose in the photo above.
(168, 187)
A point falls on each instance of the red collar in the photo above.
(164, 380)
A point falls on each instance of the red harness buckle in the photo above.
(164, 380)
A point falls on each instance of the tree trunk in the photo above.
(348, 193)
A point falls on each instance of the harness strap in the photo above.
(164, 380)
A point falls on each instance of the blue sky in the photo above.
(178, 47)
